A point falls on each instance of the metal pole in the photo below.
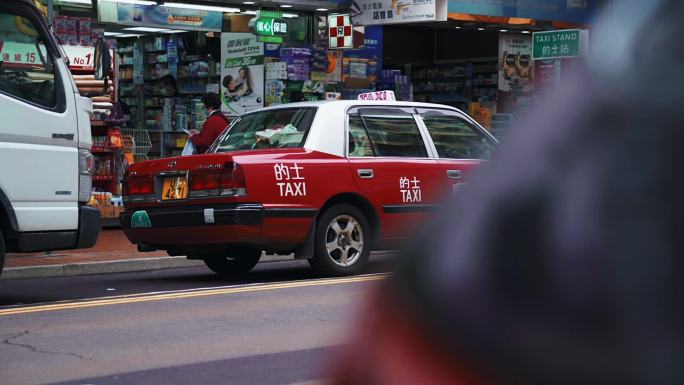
(51, 11)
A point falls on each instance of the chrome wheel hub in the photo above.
(344, 240)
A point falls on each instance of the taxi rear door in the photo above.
(460, 144)
(390, 163)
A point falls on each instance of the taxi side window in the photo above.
(278, 128)
(385, 133)
(359, 144)
(454, 137)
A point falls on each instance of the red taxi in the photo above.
(329, 181)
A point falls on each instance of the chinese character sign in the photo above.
(290, 180)
(374, 12)
(410, 190)
(556, 44)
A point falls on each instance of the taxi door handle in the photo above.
(365, 173)
(454, 174)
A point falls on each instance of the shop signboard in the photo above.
(556, 44)
(242, 73)
(516, 68)
(578, 11)
(376, 12)
(340, 32)
(80, 57)
(168, 17)
(269, 26)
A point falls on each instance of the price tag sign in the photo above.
(80, 58)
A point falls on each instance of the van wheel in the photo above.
(237, 263)
(2, 252)
(343, 241)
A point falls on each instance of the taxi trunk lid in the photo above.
(184, 178)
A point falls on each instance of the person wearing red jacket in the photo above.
(213, 127)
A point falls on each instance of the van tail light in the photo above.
(138, 188)
(86, 169)
(226, 182)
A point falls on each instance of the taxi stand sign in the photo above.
(385, 95)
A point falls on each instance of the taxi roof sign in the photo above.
(378, 95)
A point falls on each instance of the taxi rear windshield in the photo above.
(278, 128)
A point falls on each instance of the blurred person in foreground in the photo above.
(560, 262)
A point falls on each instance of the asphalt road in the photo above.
(279, 325)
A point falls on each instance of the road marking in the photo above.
(182, 294)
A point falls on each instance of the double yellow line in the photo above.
(186, 294)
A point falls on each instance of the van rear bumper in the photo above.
(84, 237)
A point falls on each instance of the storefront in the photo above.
(477, 57)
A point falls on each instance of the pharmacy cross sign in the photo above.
(340, 31)
(556, 44)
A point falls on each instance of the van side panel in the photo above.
(39, 162)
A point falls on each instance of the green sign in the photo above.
(556, 44)
(140, 219)
(270, 27)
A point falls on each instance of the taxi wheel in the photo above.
(343, 241)
(238, 263)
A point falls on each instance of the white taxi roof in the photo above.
(344, 104)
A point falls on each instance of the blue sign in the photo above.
(167, 17)
(577, 11)
(371, 51)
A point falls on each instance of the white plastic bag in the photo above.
(189, 149)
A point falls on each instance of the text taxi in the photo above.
(329, 181)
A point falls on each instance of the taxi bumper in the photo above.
(181, 225)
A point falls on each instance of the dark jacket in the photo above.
(212, 129)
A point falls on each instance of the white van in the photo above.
(45, 162)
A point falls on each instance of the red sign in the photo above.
(340, 32)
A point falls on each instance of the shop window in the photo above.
(278, 128)
(454, 137)
(26, 67)
(387, 133)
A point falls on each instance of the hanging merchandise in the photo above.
(242, 73)
(114, 139)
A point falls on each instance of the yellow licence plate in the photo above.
(175, 187)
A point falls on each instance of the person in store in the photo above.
(168, 86)
(214, 125)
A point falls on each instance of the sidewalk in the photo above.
(112, 253)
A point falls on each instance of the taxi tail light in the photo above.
(228, 181)
(138, 187)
